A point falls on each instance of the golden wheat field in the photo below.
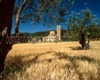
(53, 61)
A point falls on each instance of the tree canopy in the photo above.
(48, 12)
(84, 20)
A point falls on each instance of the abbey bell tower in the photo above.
(59, 32)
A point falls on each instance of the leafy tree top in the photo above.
(45, 11)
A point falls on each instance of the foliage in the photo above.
(86, 21)
(44, 11)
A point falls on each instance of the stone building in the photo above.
(53, 36)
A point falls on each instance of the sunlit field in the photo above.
(53, 61)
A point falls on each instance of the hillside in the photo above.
(42, 33)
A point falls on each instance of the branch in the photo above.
(18, 15)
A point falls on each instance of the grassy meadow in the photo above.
(53, 61)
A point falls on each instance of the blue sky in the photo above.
(93, 5)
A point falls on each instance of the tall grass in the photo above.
(53, 61)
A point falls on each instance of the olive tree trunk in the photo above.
(18, 15)
(6, 13)
(82, 40)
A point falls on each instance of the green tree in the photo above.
(82, 22)
(44, 11)
(48, 11)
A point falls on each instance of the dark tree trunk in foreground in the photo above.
(6, 12)
(18, 15)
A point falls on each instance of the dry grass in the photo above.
(53, 61)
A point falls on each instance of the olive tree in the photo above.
(46, 11)
(82, 23)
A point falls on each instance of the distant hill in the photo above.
(42, 33)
